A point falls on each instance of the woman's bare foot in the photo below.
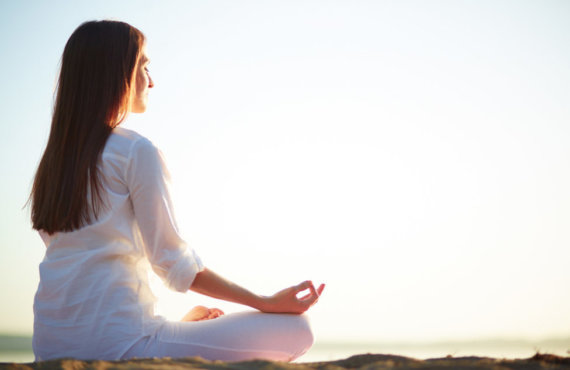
(200, 313)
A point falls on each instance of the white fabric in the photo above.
(233, 337)
(93, 300)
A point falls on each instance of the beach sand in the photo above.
(365, 361)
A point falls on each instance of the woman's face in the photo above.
(143, 83)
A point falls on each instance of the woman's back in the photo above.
(93, 298)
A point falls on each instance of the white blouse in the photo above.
(93, 299)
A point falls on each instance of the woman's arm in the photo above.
(147, 180)
(211, 284)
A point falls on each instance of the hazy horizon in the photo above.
(18, 349)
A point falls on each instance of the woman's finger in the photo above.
(213, 313)
(309, 285)
(312, 292)
(311, 299)
(302, 286)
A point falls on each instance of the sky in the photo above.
(412, 155)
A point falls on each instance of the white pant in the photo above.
(233, 337)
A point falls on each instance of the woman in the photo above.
(101, 204)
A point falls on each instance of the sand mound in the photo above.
(364, 362)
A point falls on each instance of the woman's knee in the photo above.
(305, 330)
(298, 336)
(288, 333)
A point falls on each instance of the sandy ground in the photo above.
(364, 362)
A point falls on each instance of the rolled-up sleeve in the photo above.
(147, 179)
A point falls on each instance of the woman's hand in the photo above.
(201, 313)
(286, 300)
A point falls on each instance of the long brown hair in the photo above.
(93, 96)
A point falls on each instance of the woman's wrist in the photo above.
(261, 303)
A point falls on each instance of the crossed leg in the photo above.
(233, 337)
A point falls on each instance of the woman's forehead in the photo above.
(144, 56)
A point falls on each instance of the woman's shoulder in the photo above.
(126, 135)
(122, 141)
